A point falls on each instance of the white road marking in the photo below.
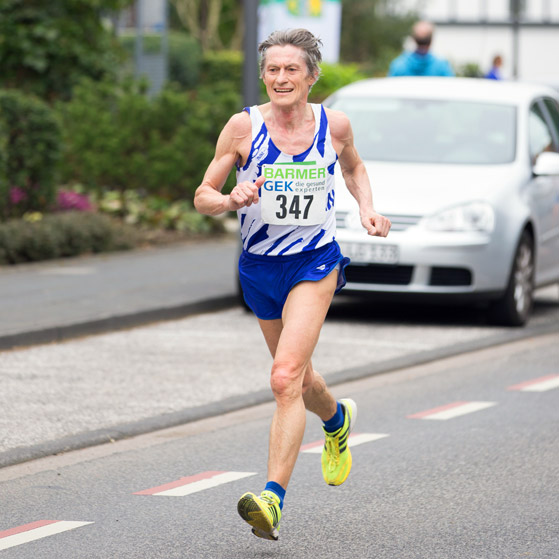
(450, 411)
(36, 531)
(541, 384)
(353, 440)
(193, 484)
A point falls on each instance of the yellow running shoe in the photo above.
(262, 513)
(336, 456)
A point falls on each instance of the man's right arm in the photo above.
(234, 140)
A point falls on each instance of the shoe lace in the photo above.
(270, 501)
(333, 450)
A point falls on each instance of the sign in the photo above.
(321, 17)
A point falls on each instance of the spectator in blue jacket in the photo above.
(495, 72)
(420, 62)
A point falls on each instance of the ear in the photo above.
(313, 78)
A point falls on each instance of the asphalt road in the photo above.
(461, 462)
(91, 390)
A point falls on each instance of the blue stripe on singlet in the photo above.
(259, 236)
(260, 137)
(277, 243)
(302, 156)
(322, 132)
(314, 240)
(282, 252)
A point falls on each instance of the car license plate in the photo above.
(371, 252)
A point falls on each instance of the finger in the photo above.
(257, 184)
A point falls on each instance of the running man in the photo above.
(291, 266)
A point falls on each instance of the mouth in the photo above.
(283, 90)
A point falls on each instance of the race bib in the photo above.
(294, 194)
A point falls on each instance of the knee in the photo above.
(286, 381)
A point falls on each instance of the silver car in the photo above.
(467, 170)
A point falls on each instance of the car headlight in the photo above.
(476, 216)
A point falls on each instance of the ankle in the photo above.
(277, 490)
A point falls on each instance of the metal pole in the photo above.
(165, 41)
(250, 64)
(138, 46)
(515, 9)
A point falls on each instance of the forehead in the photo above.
(283, 55)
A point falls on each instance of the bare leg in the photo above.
(294, 383)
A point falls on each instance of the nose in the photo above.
(282, 76)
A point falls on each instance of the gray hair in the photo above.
(301, 38)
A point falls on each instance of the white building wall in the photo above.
(537, 46)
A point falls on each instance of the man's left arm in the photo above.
(355, 175)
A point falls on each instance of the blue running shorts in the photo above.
(267, 280)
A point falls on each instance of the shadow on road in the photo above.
(365, 309)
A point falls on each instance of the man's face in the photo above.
(286, 76)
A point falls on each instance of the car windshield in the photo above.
(431, 130)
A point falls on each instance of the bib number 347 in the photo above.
(294, 194)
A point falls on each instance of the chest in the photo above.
(292, 142)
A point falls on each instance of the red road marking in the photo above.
(179, 483)
(26, 527)
(422, 414)
(528, 383)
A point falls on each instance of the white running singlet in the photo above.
(295, 212)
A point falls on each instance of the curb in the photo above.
(234, 403)
(114, 323)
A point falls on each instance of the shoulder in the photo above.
(239, 125)
(236, 137)
(399, 64)
(442, 65)
(340, 126)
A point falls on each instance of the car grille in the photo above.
(399, 222)
(379, 273)
(450, 276)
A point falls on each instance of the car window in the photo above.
(541, 138)
(431, 130)
(553, 110)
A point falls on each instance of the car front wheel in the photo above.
(514, 308)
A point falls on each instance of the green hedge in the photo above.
(30, 146)
(116, 138)
(334, 76)
(223, 66)
(60, 235)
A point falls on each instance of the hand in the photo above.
(377, 225)
(245, 194)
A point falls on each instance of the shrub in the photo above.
(31, 138)
(59, 235)
(45, 47)
(156, 212)
(333, 77)
(116, 138)
(223, 66)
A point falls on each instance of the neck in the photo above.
(290, 117)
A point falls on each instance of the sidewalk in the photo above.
(55, 300)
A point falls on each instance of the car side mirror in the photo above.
(547, 163)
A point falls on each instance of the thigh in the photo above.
(302, 318)
(272, 331)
